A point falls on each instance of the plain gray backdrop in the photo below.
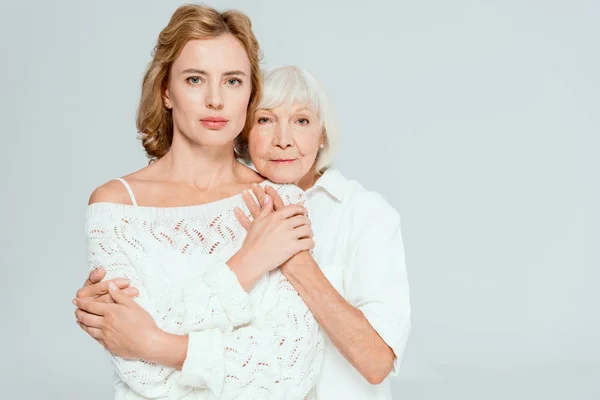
(477, 120)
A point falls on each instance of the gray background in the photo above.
(477, 120)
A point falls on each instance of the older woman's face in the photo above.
(284, 142)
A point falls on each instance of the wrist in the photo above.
(167, 349)
(247, 273)
(301, 262)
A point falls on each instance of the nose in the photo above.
(283, 137)
(214, 97)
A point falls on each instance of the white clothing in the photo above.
(261, 345)
(358, 246)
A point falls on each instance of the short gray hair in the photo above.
(294, 84)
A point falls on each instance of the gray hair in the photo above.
(294, 84)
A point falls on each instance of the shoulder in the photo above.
(289, 193)
(367, 207)
(111, 192)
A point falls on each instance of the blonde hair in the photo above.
(189, 22)
(292, 84)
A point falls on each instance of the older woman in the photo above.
(355, 281)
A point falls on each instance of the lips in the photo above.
(283, 161)
(214, 122)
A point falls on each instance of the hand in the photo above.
(122, 327)
(94, 288)
(275, 235)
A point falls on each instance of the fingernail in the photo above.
(266, 200)
(74, 302)
(122, 281)
(112, 286)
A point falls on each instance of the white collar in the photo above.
(333, 182)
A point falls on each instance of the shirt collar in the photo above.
(333, 182)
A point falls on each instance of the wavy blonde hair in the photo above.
(189, 22)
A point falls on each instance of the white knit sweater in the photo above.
(261, 345)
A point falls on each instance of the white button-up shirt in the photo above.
(359, 249)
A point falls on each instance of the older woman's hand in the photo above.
(122, 326)
(95, 288)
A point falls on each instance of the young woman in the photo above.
(194, 331)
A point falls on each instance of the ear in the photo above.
(167, 99)
(323, 139)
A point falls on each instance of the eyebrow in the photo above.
(202, 72)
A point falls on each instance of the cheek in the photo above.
(258, 146)
(308, 143)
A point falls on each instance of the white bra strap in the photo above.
(131, 196)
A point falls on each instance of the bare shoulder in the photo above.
(111, 192)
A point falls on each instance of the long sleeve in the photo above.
(277, 356)
(262, 345)
(376, 281)
(178, 305)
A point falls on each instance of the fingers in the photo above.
(93, 332)
(298, 220)
(259, 192)
(90, 320)
(131, 292)
(118, 296)
(291, 210)
(251, 204)
(242, 218)
(92, 306)
(267, 207)
(303, 231)
(96, 275)
(98, 289)
(305, 244)
(277, 202)
(105, 298)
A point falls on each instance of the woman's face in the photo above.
(284, 142)
(209, 90)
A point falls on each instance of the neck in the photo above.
(203, 167)
(308, 180)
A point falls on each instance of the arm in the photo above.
(205, 357)
(371, 326)
(345, 325)
(277, 356)
(139, 368)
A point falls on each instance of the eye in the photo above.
(234, 82)
(303, 121)
(263, 120)
(194, 80)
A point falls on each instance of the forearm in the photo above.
(348, 329)
(238, 264)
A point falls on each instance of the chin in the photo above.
(214, 138)
(281, 177)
